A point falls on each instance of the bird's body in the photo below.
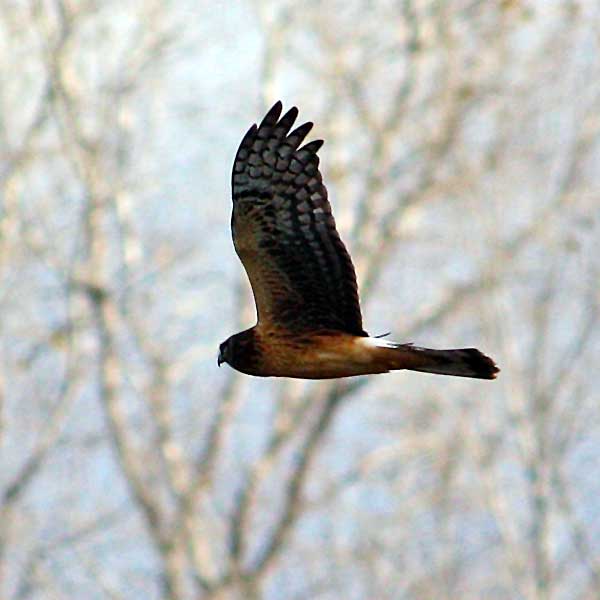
(333, 354)
(322, 355)
(304, 284)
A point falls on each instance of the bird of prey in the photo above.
(309, 320)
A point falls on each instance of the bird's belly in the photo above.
(328, 358)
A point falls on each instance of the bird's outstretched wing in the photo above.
(284, 233)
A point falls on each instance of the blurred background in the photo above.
(462, 158)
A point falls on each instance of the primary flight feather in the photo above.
(303, 281)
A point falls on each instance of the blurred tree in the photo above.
(462, 160)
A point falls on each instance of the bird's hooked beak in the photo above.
(220, 360)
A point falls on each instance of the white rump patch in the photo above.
(377, 343)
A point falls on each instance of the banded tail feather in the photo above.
(460, 362)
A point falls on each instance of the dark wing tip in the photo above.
(302, 130)
(273, 115)
(285, 123)
(312, 147)
(296, 137)
(291, 114)
(249, 134)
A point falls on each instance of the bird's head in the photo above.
(238, 351)
(226, 351)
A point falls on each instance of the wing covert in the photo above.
(284, 232)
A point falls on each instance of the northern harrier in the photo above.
(309, 321)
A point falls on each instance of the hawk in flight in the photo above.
(304, 284)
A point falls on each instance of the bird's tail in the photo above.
(462, 362)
